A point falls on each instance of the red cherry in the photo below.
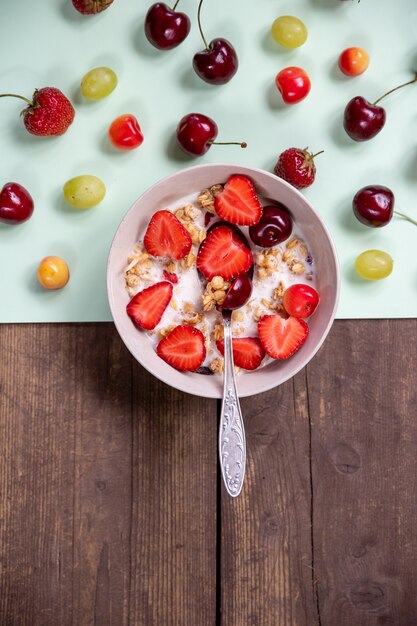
(238, 293)
(363, 120)
(300, 300)
(16, 204)
(166, 28)
(196, 133)
(374, 206)
(218, 62)
(274, 227)
(293, 83)
(125, 132)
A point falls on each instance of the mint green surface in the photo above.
(47, 43)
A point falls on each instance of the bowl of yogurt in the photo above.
(192, 300)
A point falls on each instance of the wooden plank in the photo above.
(174, 506)
(65, 475)
(362, 403)
(266, 556)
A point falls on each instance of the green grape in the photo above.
(84, 192)
(98, 83)
(289, 31)
(374, 265)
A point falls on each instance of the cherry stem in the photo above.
(406, 217)
(14, 95)
(175, 5)
(410, 82)
(242, 144)
(199, 25)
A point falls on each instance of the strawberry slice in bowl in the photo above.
(238, 203)
(183, 348)
(248, 352)
(147, 307)
(223, 253)
(281, 337)
(166, 236)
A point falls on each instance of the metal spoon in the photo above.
(232, 441)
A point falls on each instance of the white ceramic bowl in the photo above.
(168, 193)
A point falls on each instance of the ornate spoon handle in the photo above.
(232, 443)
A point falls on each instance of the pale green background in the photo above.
(46, 43)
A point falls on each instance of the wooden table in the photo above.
(113, 513)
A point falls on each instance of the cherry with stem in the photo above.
(218, 62)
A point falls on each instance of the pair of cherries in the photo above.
(166, 28)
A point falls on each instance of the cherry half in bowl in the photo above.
(274, 227)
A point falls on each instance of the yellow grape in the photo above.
(98, 83)
(374, 265)
(289, 31)
(53, 272)
(83, 192)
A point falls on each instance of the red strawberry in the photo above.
(49, 112)
(89, 7)
(148, 306)
(238, 203)
(297, 167)
(183, 348)
(171, 277)
(248, 352)
(280, 336)
(166, 236)
(223, 253)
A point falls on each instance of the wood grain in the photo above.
(362, 402)
(174, 506)
(266, 558)
(112, 512)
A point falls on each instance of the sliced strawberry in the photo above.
(171, 277)
(223, 253)
(280, 336)
(148, 306)
(166, 236)
(248, 352)
(238, 203)
(183, 348)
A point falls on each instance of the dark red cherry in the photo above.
(238, 293)
(362, 119)
(196, 132)
(218, 62)
(374, 205)
(16, 204)
(274, 227)
(166, 28)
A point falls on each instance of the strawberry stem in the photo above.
(199, 25)
(313, 156)
(175, 5)
(406, 217)
(410, 82)
(14, 95)
(242, 144)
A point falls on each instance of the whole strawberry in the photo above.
(49, 113)
(297, 167)
(90, 7)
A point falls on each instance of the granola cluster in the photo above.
(207, 197)
(139, 265)
(214, 293)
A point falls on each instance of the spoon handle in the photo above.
(232, 443)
